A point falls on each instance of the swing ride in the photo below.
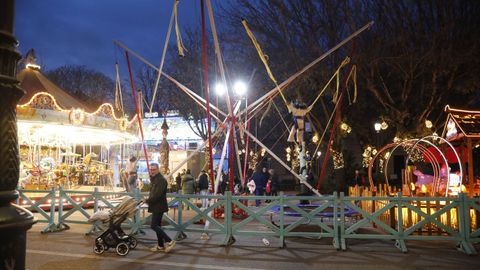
(235, 122)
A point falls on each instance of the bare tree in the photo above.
(87, 85)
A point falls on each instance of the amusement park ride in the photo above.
(232, 124)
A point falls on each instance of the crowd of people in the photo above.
(266, 183)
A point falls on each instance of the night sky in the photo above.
(80, 32)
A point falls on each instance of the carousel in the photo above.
(61, 142)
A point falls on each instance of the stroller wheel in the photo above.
(122, 249)
(132, 242)
(98, 248)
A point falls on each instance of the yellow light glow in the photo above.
(463, 188)
(32, 132)
(384, 125)
(109, 107)
(32, 66)
(428, 123)
(315, 138)
(412, 186)
(424, 189)
(77, 116)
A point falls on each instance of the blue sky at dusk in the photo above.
(80, 32)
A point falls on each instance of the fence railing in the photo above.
(340, 217)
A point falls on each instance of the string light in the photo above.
(338, 161)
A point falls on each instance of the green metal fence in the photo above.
(337, 217)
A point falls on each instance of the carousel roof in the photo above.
(461, 123)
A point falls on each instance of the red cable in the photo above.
(246, 149)
(205, 78)
(334, 127)
(137, 111)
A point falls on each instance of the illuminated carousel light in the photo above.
(428, 123)
(315, 138)
(384, 125)
(77, 116)
(32, 66)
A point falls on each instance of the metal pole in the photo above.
(207, 98)
(14, 220)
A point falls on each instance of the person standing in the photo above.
(188, 184)
(275, 184)
(132, 173)
(178, 182)
(157, 205)
(260, 179)
(203, 187)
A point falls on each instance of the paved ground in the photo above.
(72, 249)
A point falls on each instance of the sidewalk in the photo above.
(72, 249)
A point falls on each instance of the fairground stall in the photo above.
(462, 129)
(65, 143)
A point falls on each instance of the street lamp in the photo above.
(240, 88)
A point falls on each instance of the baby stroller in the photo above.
(114, 236)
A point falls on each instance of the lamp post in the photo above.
(240, 91)
(14, 220)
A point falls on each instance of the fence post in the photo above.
(61, 224)
(229, 239)
(137, 220)
(51, 227)
(95, 227)
(464, 218)
(338, 229)
(400, 242)
(282, 220)
(180, 234)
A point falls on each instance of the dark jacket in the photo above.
(157, 198)
(188, 184)
(275, 182)
(260, 180)
(203, 182)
